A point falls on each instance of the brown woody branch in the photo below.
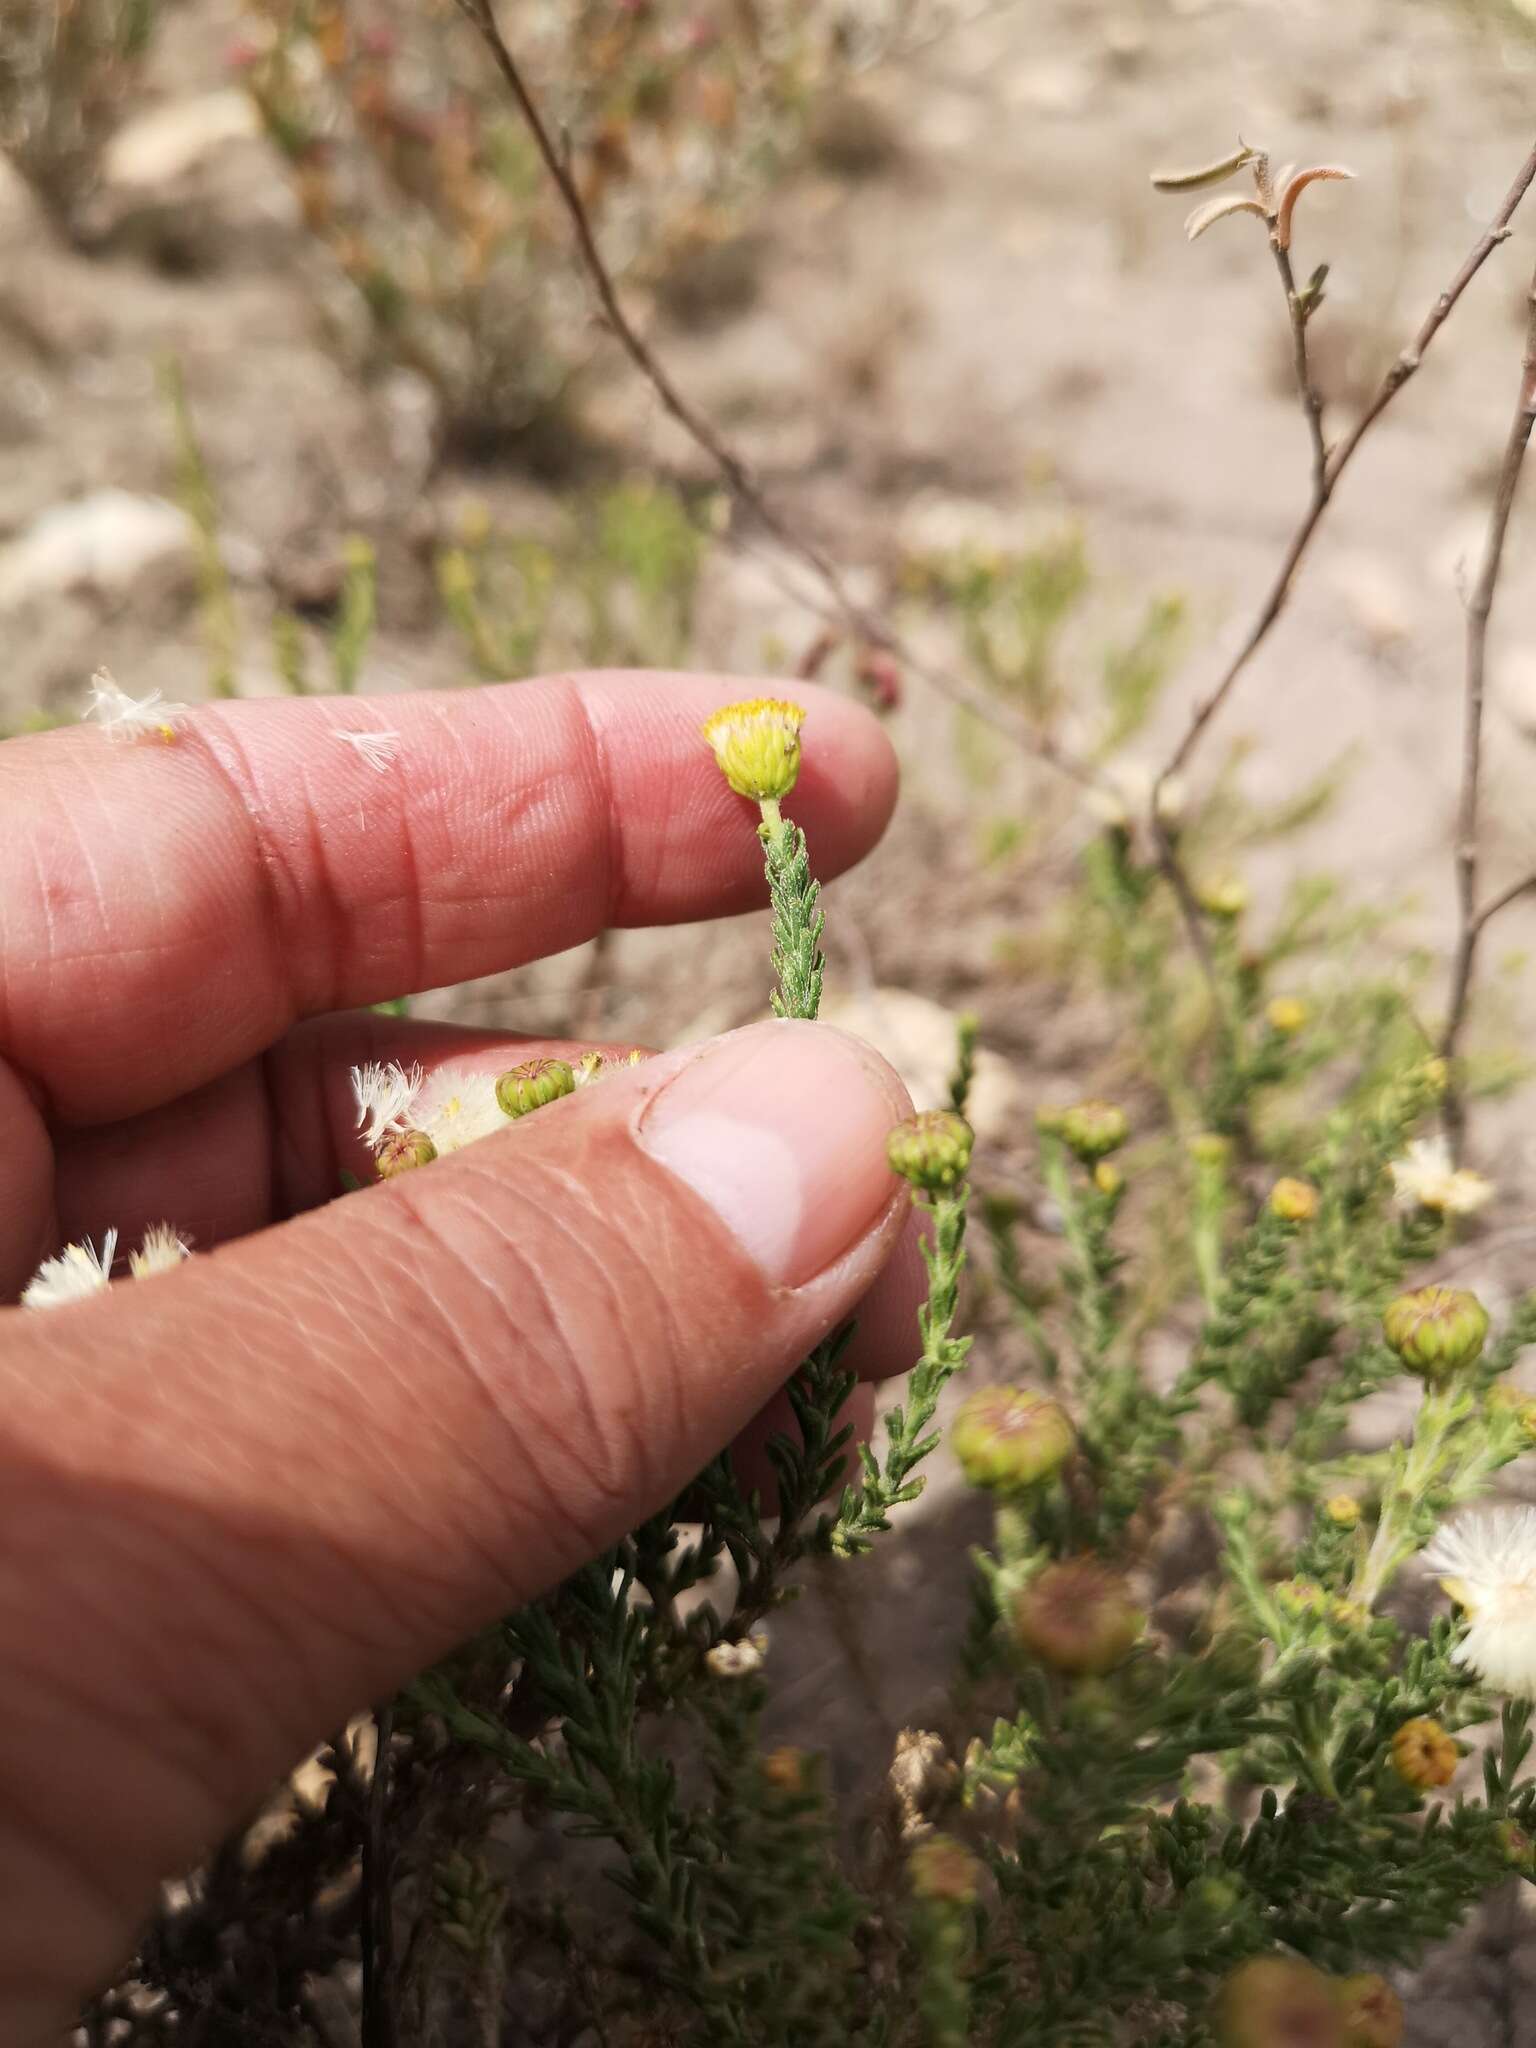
(869, 625)
(1472, 919)
(1327, 474)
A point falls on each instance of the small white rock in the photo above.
(162, 146)
(108, 541)
(919, 1039)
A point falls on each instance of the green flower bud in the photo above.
(1437, 1331)
(757, 746)
(1343, 1510)
(533, 1084)
(1372, 2011)
(931, 1151)
(944, 1871)
(401, 1150)
(1226, 898)
(1092, 1129)
(1077, 1617)
(1209, 1148)
(1519, 1849)
(1518, 1406)
(1278, 2002)
(1007, 1437)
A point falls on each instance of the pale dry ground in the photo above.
(1004, 333)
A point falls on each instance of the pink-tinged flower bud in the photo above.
(1092, 1129)
(944, 1871)
(533, 1084)
(1436, 1331)
(401, 1150)
(931, 1151)
(1077, 1617)
(1278, 2002)
(1293, 1201)
(1372, 2010)
(1424, 1755)
(1008, 1437)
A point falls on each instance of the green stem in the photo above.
(797, 922)
(1392, 1542)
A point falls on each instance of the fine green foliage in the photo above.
(1150, 1770)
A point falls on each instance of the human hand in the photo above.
(241, 1498)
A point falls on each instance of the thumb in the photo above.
(239, 1499)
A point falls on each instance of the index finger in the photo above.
(168, 910)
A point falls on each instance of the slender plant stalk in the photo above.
(868, 625)
(1470, 921)
(377, 1905)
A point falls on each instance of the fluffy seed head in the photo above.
(931, 1151)
(123, 717)
(757, 746)
(385, 1094)
(1427, 1178)
(1436, 1331)
(1487, 1563)
(533, 1084)
(78, 1272)
(1278, 2002)
(1077, 1617)
(1008, 1437)
(1423, 1754)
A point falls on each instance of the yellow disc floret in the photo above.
(757, 745)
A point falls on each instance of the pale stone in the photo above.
(162, 146)
(110, 541)
(919, 1038)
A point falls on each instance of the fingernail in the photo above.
(781, 1129)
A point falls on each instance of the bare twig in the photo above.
(1325, 479)
(733, 470)
(378, 1920)
(1311, 398)
(1471, 919)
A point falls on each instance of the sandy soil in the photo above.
(1002, 334)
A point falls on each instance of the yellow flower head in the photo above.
(1286, 1016)
(1293, 1201)
(757, 746)
(1423, 1754)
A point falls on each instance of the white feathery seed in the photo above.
(123, 717)
(163, 1249)
(378, 749)
(78, 1272)
(385, 1093)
